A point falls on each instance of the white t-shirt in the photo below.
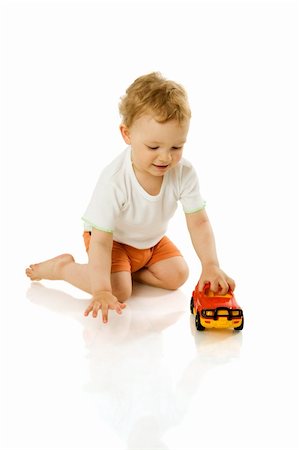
(121, 206)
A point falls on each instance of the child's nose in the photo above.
(165, 157)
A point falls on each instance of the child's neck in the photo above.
(151, 184)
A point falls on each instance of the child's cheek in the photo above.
(178, 157)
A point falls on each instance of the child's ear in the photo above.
(125, 133)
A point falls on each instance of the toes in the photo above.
(30, 273)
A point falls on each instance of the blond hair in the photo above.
(153, 94)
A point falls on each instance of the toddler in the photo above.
(135, 197)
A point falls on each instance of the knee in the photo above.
(179, 277)
(121, 283)
(122, 294)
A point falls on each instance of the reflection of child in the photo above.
(135, 197)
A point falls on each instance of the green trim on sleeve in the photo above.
(96, 227)
(196, 210)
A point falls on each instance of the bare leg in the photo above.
(64, 267)
(169, 273)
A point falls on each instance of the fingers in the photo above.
(219, 281)
(119, 307)
(217, 285)
(214, 286)
(88, 310)
(223, 287)
(231, 283)
(105, 313)
(202, 283)
(95, 306)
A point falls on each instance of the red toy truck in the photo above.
(213, 310)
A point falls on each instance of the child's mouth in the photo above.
(160, 167)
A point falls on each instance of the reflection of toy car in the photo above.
(214, 310)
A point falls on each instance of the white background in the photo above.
(148, 379)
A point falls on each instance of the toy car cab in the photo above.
(212, 310)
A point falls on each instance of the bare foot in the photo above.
(50, 269)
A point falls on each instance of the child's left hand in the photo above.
(219, 281)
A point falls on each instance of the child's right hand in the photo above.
(104, 300)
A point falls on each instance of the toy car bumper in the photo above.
(221, 322)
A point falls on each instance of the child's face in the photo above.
(156, 147)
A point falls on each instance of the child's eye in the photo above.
(156, 148)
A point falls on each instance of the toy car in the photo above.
(212, 310)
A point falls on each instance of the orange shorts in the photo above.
(130, 259)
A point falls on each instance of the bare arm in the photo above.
(99, 261)
(203, 241)
(99, 270)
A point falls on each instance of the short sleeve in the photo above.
(104, 207)
(190, 196)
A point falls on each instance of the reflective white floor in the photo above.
(147, 379)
